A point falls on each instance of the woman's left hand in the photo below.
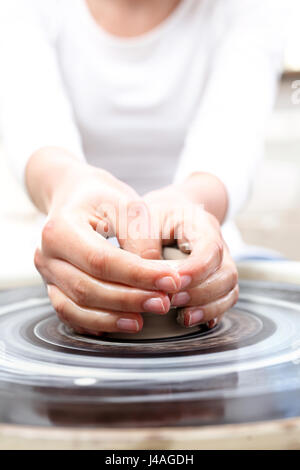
(209, 276)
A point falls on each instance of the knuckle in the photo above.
(230, 277)
(212, 264)
(132, 302)
(237, 292)
(49, 232)
(136, 275)
(97, 262)
(124, 304)
(38, 259)
(235, 296)
(218, 251)
(60, 307)
(234, 277)
(80, 292)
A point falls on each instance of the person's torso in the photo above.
(134, 99)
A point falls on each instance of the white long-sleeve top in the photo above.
(193, 94)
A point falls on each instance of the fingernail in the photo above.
(185, 281)
(194, 317)
(185, 248)
(166, 284)
(127, 324)
(182, 298)
(154, 305)
(212, 323)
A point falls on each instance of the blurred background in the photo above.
(271, 218)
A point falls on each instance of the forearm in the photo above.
(47, 170)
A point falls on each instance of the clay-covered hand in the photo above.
(210, 276)
(96, 287)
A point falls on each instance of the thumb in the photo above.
(142, 232)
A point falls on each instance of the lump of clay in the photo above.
(160, 326)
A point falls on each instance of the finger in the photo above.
(91, 319)
(192, 316)
(212, 323)
(83, 331)
(142, 233)
(206, 243)
(215, 287)
(75, 241)
(89, 292)
(220, 318)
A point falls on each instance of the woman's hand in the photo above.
(207, 302)
(210, 276)
(94, 286)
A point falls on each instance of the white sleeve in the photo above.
(227, 135)
(34, 108)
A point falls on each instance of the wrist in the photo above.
(48, 171)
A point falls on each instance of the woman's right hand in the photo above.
(93, 286)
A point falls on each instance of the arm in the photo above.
(226, 137)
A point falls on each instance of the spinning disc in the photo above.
(245, 369)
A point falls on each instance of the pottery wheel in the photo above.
(245, 369)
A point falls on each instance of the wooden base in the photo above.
(284, 434)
